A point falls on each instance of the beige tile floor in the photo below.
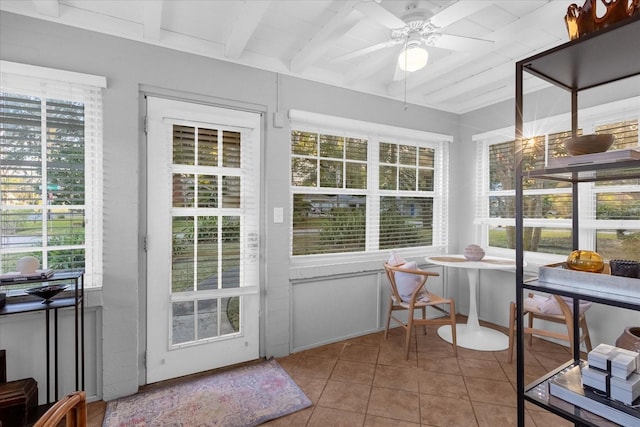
(366, 381)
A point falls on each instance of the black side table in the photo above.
(65, 299)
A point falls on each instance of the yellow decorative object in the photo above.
(584, 20)
(588, 261)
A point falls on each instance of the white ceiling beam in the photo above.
(48, 7)
(339, 24)
(243, 28)
(491, 75)
(152, 19)
(371, 66)
(503, 36)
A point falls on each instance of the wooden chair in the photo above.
(421, 298)
(72, 407)
(532, 308)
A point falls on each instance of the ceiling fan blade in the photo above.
(459, 43)
(379, 14)
(366, 50)
(457, 11)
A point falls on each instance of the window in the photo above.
(360, 187)
(51, 169)
(609, 211)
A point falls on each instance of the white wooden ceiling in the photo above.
(304, 37)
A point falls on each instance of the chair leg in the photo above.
(570, 333)
(424, 317)
(512, 327)
(452, 314)
(408, 335)
(386, 329)
(585, 332)
(530, 329)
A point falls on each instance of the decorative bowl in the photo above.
(588, 144)
(473, 253)
(588, 261)
(46, 292)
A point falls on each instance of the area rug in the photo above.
(246, 396)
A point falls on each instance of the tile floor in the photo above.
(366, 381)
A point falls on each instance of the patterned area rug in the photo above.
(245, 396)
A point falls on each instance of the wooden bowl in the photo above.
(588, 144)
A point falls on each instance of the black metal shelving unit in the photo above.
(73, 299)
(600, 58)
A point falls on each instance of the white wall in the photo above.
(132, 68)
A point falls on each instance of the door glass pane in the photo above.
(183, 190)
(230, 149)
(207, 318)
(183, 330)
(207, 147)
(207, 252)
(230, 316)
(230, 251)
(231, 191)
(184, 145)
(207, 191)
(182, 254)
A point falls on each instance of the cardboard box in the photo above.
(626, 391)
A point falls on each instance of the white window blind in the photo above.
(51, 169)
(609, 211)
(359, 187)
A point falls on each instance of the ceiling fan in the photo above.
(417, 29)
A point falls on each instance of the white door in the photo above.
(202, 241)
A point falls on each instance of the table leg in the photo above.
(473, 325)
(471, 335)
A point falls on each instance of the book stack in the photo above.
(607, 385)
(15, 276)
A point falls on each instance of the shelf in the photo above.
(56, 277)
(37, 305)
(601, 296)
(628, 169)
(607, 55)
(538, 393)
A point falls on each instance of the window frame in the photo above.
(47, 83)
(589, 120)
(375, 134)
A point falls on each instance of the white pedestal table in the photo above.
(471, 335)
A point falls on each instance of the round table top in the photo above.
(458, 260)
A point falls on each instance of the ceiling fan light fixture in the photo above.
(413, 58)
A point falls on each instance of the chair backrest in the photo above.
(73, 407)
(397, 293)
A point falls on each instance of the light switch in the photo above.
(278, 215)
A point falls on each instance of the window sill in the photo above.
(304, 268)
